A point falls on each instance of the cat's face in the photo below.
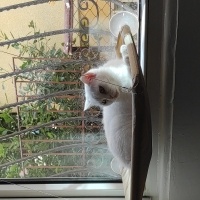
(98, 90)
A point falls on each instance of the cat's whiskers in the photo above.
(124, 89)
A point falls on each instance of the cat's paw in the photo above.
(124, 52)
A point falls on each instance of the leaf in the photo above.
(50, 135)
(24, 65)
(2, 129)
(37, 33)
(6, 117)
(3, 87)
(28, 33)
(5, 36)
(42, 49)
(74, 41)
(12, 35)
(5, 132)
(16, 45)
(2, 151)
(31, 25)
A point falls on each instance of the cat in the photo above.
(104, 87)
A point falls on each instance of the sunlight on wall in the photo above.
(48, 17)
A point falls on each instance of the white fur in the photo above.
(117, 120)
(117, 116)
(114, 71)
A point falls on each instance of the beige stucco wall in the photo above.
(47, 17)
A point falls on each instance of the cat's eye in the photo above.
(102, 90)
(104, 101)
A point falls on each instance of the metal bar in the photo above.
(41, 98)
(50, 33)
(21, 5)
(30, 68)
(52, 167)
(48, 124)
(64, 96)
(68, 24)
(67, 154)
(53, 82)
(80, 127)
(48, 151)
(18, 119)
(40, 140)
(90, 169)
(60, 70)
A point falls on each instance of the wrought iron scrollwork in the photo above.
(83, 6)
(86, 24)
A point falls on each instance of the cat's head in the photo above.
(99, 88)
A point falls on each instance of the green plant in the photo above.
(37, 48)
(50, 80)
(8, 122)
(39, 112)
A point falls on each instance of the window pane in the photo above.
(45, 47)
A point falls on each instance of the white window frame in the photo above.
(67, 191)
(62, 190)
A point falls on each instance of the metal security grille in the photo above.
(45, 132)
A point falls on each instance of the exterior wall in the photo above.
(48, 17)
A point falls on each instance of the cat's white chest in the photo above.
(117, 120)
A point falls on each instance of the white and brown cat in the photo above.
(104, 87)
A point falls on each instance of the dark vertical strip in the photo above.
(167, 87)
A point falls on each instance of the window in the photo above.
(45, 137)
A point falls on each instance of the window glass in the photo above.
(45, 46)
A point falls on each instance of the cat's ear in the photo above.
(87, 105)
(87, 77)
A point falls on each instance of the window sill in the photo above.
(62, 190)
